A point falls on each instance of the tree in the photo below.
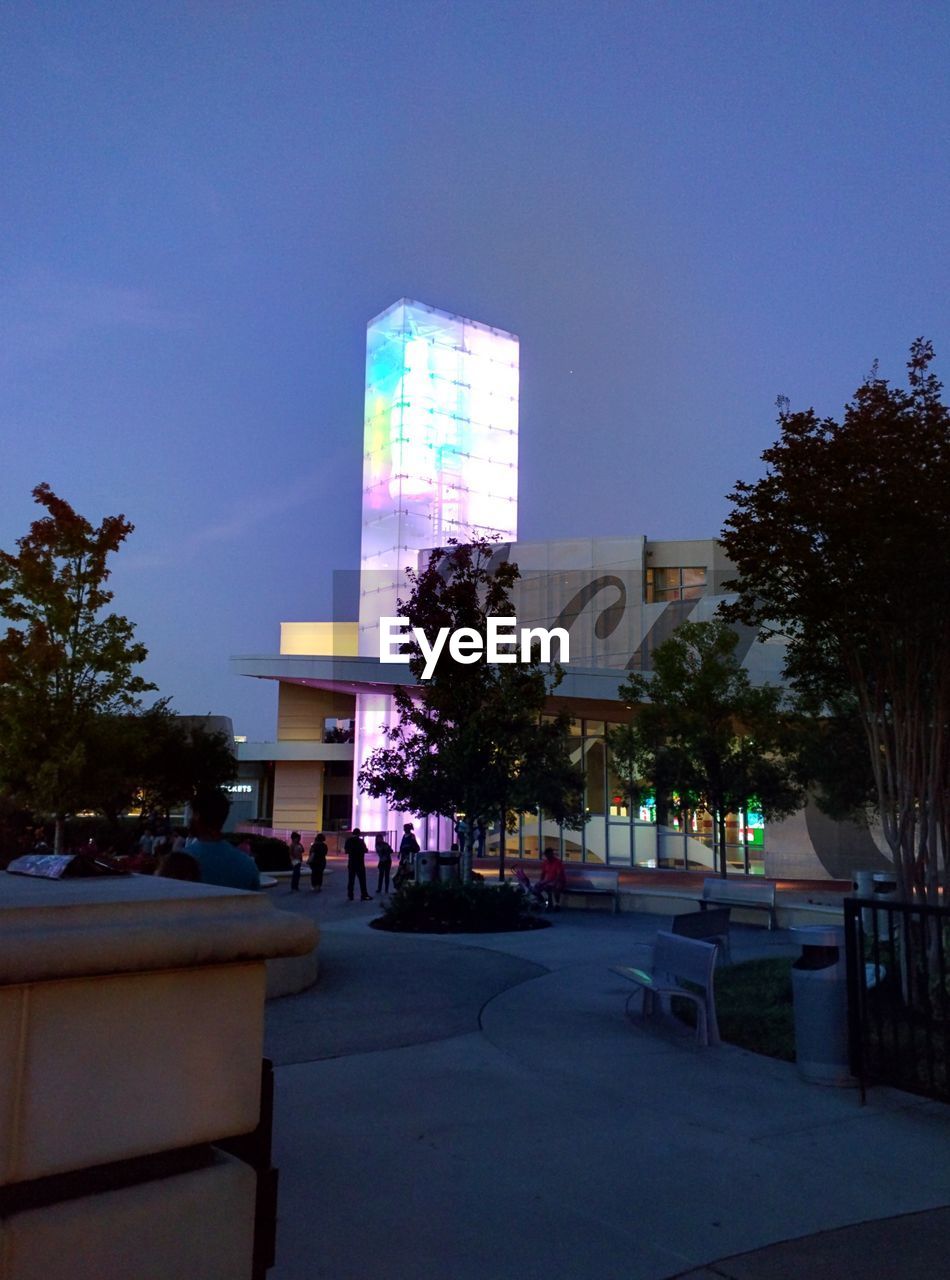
(828, 750)
(703, 732)
(151, 760)
(183, 758)
(64, 661)
(842, 547)
(473, 739)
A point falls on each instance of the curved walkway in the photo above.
(480, 1108)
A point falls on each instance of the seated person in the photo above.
(219, 861)
(553, 879)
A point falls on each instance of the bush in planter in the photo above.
(121, 836)
(457, 908)
(268, 852)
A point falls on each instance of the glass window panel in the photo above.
(531, 837)
(594, 763)
(573, 847)
(694, 577)
(595, 840)
(645, 845)
(594, 728)
(616, 791)
(646, 810)
(338, 730)
(532, 845)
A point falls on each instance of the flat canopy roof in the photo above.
(369, 675)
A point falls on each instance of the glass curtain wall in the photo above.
(620, 834)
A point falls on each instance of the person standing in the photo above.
(355, 850)
(408, 845)
(384, 856)
(408, 848)
(318, 863)
(296, 861)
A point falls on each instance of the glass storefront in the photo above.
(618, 834)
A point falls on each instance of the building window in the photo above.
(335, 730)
(663, 585)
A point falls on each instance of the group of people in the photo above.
(546, 890)
(207, 857)
(204, 855)
(316, 861)
(356, 849)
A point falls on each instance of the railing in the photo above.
(898, 957)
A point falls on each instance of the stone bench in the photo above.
(757, 895)
(594, 884)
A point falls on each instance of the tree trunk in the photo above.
(58, 830)
(465, 856)
(743, 816)
(719, 819)
(501, 842)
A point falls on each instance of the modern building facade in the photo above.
(440, 462)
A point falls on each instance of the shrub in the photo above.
(754, 1004)
(122, 835)
(457, 908)
(268, 852)
(753, 1007)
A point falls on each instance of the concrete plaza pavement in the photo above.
(480, 1108)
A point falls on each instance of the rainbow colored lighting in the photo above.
(440, 461)
(440, 440)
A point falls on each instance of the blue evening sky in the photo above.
(682, 209)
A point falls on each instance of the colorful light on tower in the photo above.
(440, 461)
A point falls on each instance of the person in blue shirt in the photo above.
(219, 861)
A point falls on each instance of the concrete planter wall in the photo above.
(131, 1023)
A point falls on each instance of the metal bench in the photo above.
(677, 960)
(711, 925)
(755, 894)
(604, 884)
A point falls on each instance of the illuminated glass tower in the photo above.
(440, 445)
(440, 461)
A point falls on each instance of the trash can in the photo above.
(862, 886)
(885, 890)
(448, 866)
(820, 998)
(426, 867)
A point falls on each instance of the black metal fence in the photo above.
(898, 956)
